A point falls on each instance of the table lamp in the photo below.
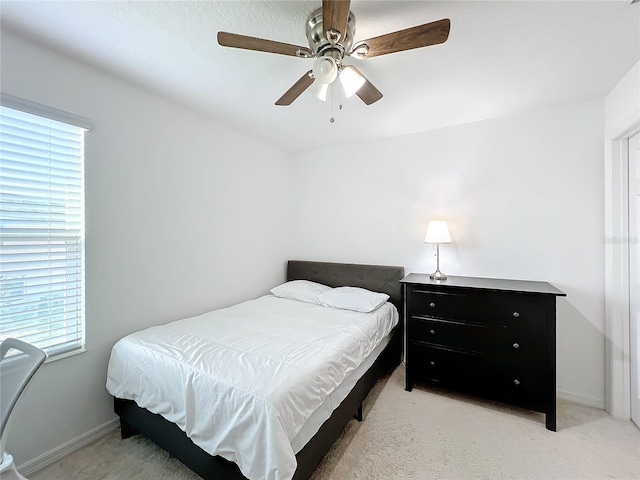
(437, 233)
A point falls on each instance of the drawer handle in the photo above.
(432, 304)
(516, 314)
(516, 382)
(432, 332)
(516, 346)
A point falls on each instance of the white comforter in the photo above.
(242, 381)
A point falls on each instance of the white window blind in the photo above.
(41, 231)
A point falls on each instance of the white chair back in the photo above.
(17, 367)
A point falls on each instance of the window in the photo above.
(41, 227)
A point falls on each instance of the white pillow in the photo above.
(353, 298)
(301, 290)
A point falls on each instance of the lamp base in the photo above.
(438, 275)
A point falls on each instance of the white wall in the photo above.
(622, 104)
(523, 198)
(183, 215)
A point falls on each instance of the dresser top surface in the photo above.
(496, 284)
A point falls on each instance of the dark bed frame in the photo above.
(170, 437)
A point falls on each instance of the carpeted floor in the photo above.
(425, 434)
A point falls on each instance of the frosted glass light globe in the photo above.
(325, 70)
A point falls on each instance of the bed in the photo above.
(327, 404)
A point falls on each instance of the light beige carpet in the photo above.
(425, 434)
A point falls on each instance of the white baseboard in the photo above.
(41, 461)
(581, 399)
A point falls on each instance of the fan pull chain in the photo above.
(331, 120)
(331, 90)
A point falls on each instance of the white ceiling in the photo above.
(502, 57)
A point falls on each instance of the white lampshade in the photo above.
(320, 90)
(325, 70)
(437, 232)
(351, 80)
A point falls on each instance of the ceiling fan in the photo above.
(330, 31)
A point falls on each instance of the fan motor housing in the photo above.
(320, 45)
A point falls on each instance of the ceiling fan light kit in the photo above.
(325, 71)
(330, 32)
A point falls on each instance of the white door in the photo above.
(634, 273)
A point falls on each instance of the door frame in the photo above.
(634, 282)
(616, 241)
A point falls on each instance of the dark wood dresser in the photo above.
(490, 337)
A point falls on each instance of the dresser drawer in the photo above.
(512, 311)
(507, 344)
(518, 383)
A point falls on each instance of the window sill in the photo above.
(70, 353)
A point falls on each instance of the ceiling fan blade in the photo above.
(335, 16)
(415, 37)
(368, 93)
(261, 45)
(296, 90)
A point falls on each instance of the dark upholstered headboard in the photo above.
(377, 278)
